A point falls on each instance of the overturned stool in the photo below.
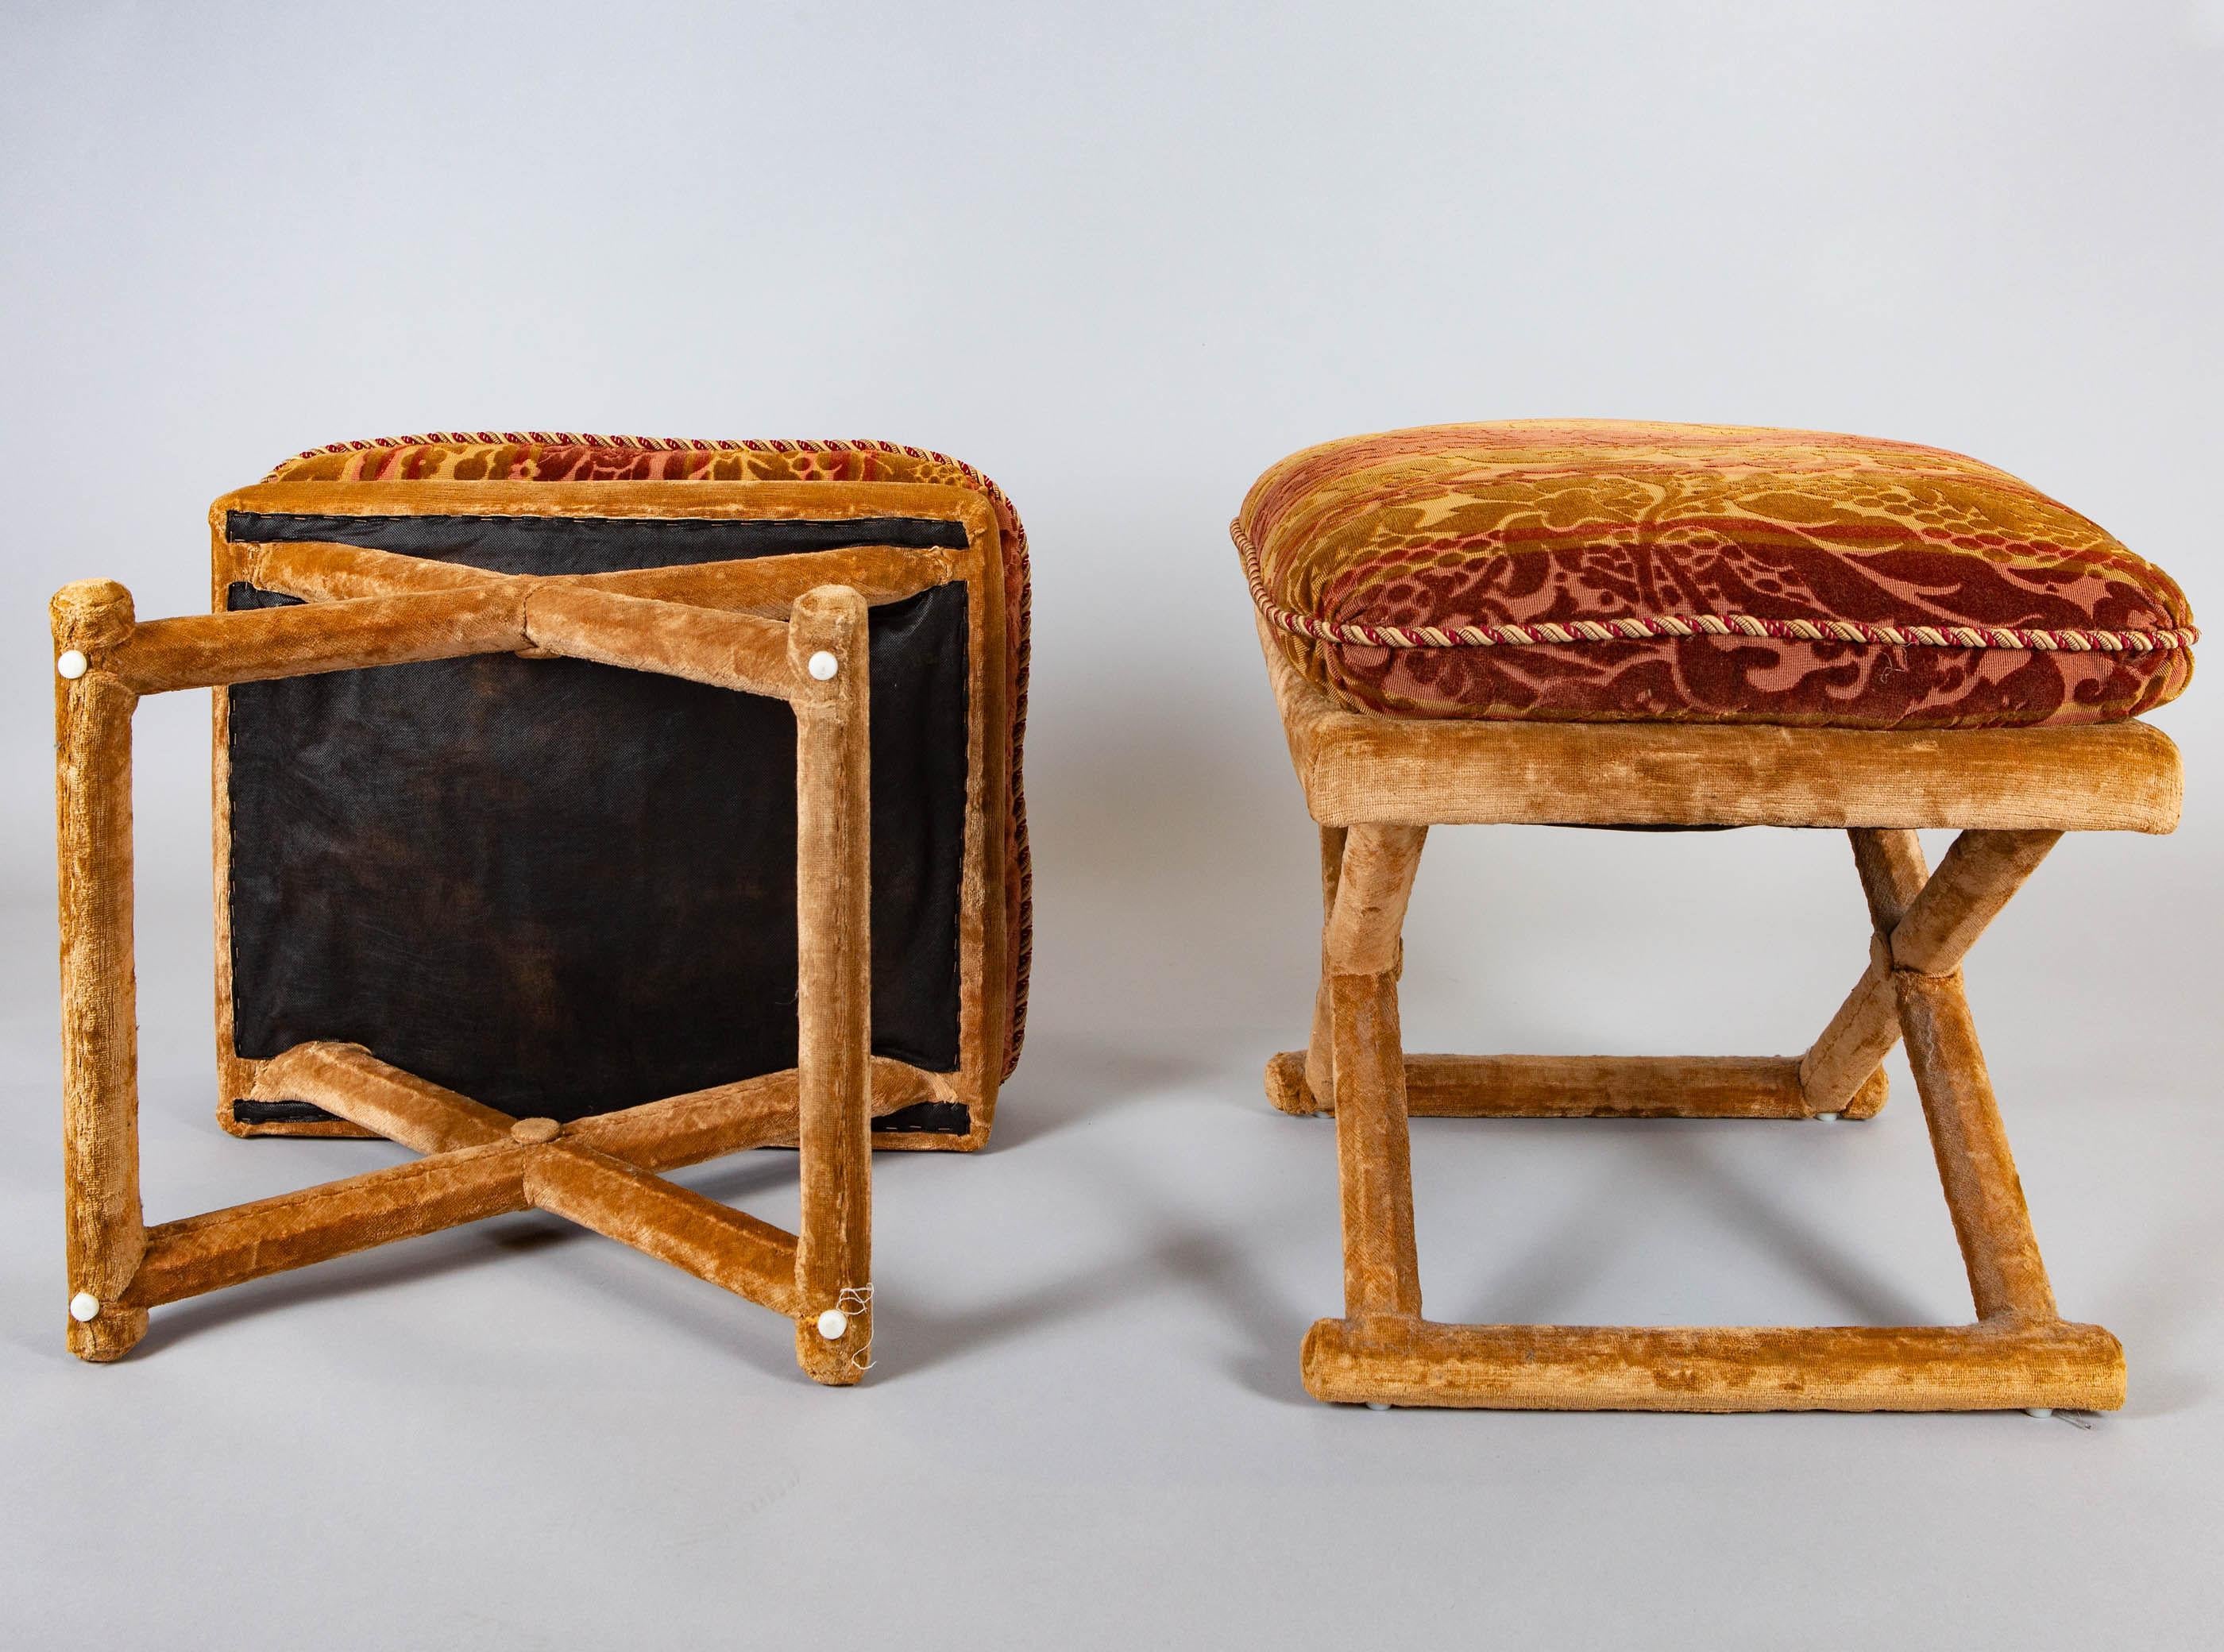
(1603, 624)
(586, 807)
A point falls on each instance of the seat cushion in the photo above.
(540, 456)
(1597, 571)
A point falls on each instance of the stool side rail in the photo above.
(320, 571)
(1366, 769)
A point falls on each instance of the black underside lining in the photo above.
(563, 888)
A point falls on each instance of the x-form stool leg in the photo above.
(598, 1171)
(2018, 1354)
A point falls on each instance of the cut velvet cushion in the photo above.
(547, 456)
(1597, 571)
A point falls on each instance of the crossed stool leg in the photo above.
(2018, 1354)
(598, 1171)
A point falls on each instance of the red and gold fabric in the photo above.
(1597, 571)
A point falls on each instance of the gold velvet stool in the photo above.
(585, 807)
(1621, 625)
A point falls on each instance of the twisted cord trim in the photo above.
(2163, 639)
(653, 444)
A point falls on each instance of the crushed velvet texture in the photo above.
(550, 456)
(1560, 523)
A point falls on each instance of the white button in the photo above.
(832, 1323)
(823, 666)
(71, 665)
(85, 1307)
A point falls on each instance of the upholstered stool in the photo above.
(1603, 624)
(585, 807)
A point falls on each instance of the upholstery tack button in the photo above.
(535, 1130)
(823, 666)
(85, 1307)
(832, 1323)
(71, 665)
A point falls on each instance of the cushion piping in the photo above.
(1639, 628)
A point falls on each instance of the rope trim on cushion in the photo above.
(2163, 639)
(655, 444)
(1022, 848)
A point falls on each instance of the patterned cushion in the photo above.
(1595, 570)
(545, 455)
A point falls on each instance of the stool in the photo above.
(1608, 624)
(585, 807)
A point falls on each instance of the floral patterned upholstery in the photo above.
(1593, 570)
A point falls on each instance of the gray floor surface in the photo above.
(1086, 1426)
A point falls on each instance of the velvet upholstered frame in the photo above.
(1375, 784)
(791, 628)
(961, 1114)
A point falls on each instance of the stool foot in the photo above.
(110, 1336)
(1286, 1089)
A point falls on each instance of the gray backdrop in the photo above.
(1122, 258)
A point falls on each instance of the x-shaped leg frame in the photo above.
(2020, 1353)
(708, 624)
